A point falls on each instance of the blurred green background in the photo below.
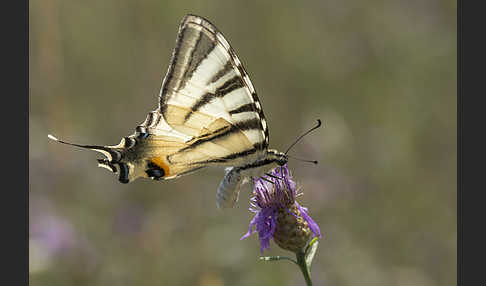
(380, 74)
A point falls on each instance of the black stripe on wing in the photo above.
(230, 85)
(192, 47)
(204, 46)
(226, 68)
(222, 134)
(228, 158)
(244, 108)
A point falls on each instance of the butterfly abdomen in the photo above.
(229, 188)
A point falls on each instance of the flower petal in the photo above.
(252, 223)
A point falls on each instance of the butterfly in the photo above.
(208, 115)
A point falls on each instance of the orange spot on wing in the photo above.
(162, 164)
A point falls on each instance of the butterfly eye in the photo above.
(282, 159)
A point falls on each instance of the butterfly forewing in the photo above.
(206, 78)
(208, 114)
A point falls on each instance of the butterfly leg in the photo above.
(263, 178)
(270, 175)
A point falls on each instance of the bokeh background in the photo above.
(380, 74)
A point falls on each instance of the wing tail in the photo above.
(109, 151)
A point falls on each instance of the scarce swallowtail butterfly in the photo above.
(208, 114)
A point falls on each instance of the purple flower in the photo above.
(54, 233)
(277, 214)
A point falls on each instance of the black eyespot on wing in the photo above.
(155, 172)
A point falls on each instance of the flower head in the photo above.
(278, 216)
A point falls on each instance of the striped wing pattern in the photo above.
(208, 114)
(208, 95)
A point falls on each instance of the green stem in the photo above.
(303, 267)
(275, 258)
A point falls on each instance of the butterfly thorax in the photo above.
(235, 177)
(270, 159)
(208, 114)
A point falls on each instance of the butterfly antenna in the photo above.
(303, 160)
(301, 136)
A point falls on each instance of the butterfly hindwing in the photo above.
(208, 114)
(208, 101)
